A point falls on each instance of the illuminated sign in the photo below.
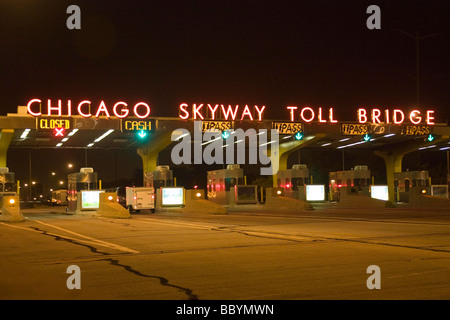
(90, 200)
(172, 196)
(416, 130)
(137, 125)
(315, 192)
(120, 109)
(308, 114)
(287, 127)
(379, 192)
(349, 129)
(52, 123)
(216, 125)
(395, 116)
(220, 111)
(59, 132)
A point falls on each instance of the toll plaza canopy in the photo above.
(39, 130)
(389, 134)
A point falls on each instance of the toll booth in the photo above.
(293, 181)
(355, 181)
(161, 177)
(59, 197)
(411, 183)
(7, 182)
(82, 190)
(220, 183)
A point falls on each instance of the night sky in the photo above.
(273, 53)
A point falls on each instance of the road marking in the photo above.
(89, 240)
(178, 224)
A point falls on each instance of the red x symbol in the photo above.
(59, 132)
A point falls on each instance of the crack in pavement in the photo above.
(163, 281)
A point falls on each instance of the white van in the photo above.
(140, 198)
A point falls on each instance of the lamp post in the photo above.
(417, 38)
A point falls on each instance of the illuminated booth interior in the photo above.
(220, 183)
(82, 191)
(408, 184)
(354, 181)
(294, 181)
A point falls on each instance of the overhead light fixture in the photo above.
(24, 133)
(351, 144)
(90, 144)
(263, 144)
(218, 138)
(59, 144)
(71, 133)
(423, 148)
(104, 135)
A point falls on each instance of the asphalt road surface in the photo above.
(317, 254)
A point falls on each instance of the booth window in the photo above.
(230, 183)
(296, 183)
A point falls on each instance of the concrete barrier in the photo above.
(108, 206)
(279, 202)
(195, 201)
(424, 201)
(11, 209)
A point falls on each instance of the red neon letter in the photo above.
(50, 108)
(292, 108)
(307, 109)
(413, 116)
(246, 112)
(123, 112)
(396, 120)
(260, 111)
(430, 116)
(213, 111)
(84, 115)
(141, 104)
(102, 108)
(320, 116)
(195, 111)
(376, 115)
(183, 107)
(331, 116)
(229, 111)
(34, 114)
(69, 108)
(362, 115)
(387, 115)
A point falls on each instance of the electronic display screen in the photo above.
(172, 196)
(315, 192)
(379, 192)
